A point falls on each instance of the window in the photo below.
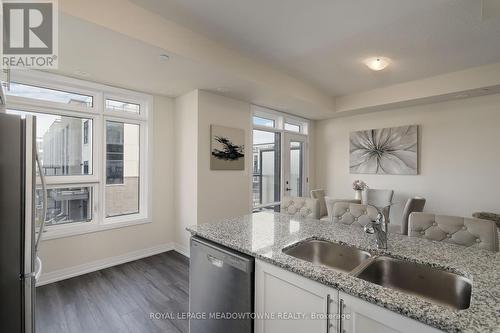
(91, 186)
(85, 132)
(114, 152)
(50, 95)
(296, 156)
(292, 127)
(263, 117)
(266, 170)
(68, 205)
(122, 106)
(280, 154)
(61, 144)
(259, 121)
(122, 167)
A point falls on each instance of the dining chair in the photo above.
(353, 213)
(300, 207)
(378, 198)
(413, 205)
(463, 231)
(330, 204)
(319, 194)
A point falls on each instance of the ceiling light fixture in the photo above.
(377, 63)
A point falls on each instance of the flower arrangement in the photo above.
(359, 185)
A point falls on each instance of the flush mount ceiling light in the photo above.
(377, 63)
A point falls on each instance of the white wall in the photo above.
(204, 195)
(459, 155)
(222, 194)
(64, 253)
(186, 166)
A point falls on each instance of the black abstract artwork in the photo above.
(227, 151)
(230, 151)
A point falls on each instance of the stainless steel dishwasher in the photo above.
(221, 289)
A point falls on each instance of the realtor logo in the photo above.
(30, 34)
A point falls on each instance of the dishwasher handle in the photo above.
(220, 256)
(214, 261)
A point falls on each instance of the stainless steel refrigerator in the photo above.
(19, 264)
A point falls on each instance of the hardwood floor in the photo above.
(118, 299)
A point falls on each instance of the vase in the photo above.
(358, 194)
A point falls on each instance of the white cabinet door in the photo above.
(280, 294)
(364, 317)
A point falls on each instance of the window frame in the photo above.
(62, 230)
(274, 131)
(264, 118)
(72, 179)
(143, 174)
(99, 115)
(280, 119)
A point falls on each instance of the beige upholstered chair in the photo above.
(320, 196)
(379, 199)
(353, 214)
(412, 205)
(330, 203)
(300, 207)
(456, 230)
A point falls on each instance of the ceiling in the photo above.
(323, 42)
(108, 57)
(112, 58)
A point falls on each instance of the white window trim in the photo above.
(99, 115)
(280, 118)
(144, 142)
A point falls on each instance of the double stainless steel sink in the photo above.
(436, 285)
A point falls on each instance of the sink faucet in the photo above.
(379, 228)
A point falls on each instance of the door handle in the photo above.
(341, 313)
(328, 302)
(288, 189)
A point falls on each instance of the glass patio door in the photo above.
(295, 180)
(266, 177)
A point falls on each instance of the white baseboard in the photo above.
(181, 249)
(93, 266)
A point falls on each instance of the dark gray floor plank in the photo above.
(118, 299)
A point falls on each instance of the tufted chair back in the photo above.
(300, 207)
(330, 203)
(353, 214)
(456, 230)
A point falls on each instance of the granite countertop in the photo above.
(264, 235)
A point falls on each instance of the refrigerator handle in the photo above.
(44, 202)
